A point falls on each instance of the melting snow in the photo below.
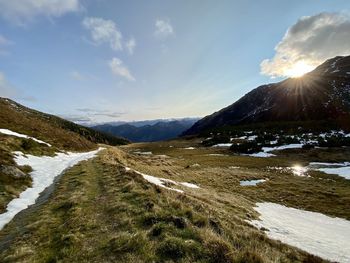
(222, 145)
(251, 182)
(144, 153)
(266, 150)
(189, 185)
(163, 181)
(341, 169)
(189, 148)
(20, 135)
(45, 169)
(261, 154)
(315, 233)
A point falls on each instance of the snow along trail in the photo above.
(312, 232)
(45, 169)
(20, 135)
(163, 181)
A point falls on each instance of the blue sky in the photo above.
(189, 58)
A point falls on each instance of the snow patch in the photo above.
(189, 185)
(20, 135)
(266, 150)
(340, 169)
(45, 169)
(315, 233)
(222, 145)
(189, 148)
(251, 182)
(144, 153)
(163, 182)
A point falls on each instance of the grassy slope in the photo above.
(10, 186)
(62, 134)
(328, 194)
(54, 130)
(99, 212)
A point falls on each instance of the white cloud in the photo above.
(118, 68)
(6, 89)
(311, 41)
(104, 31)
(163, 29)
(130, 45)
(20, 11)
(77, 75)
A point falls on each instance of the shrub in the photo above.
(172, 248)
(308, 146)
(246, 147)
(249, 257)
(216, 139)
(126, 243)
(334, 141)
(218, 251)
(28, 144)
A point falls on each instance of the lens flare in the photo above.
(299, 69)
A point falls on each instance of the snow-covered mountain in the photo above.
(322, 94)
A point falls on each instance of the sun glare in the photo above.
(299, 69)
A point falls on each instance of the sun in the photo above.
(299, 69)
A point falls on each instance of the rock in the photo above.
(12, 171)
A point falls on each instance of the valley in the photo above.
(113, 207)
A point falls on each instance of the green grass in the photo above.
(101, 213)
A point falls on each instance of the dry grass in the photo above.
(99, 212)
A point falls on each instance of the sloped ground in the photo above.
(100, 212)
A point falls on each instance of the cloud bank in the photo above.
(311, 41)
(117, 67)
(21, 11)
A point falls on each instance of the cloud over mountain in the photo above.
(311, 40)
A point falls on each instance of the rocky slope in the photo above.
(322, 94)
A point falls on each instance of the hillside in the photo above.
(322, 94)
(161, 130)
(54, 130)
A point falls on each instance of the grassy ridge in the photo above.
(54, 130)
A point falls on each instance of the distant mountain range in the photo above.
(60, 133)
(322, 94)
(148, 131)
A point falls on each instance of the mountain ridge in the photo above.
(161, 130)
(55, 130)
(321, 94)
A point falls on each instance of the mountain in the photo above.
(140, 123)
(49, 128)
(322, 94)
(161, 130)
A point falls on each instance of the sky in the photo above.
(108, 60)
